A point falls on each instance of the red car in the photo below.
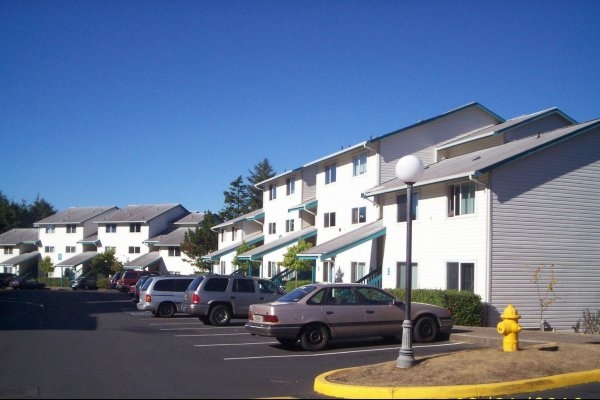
(130, 278)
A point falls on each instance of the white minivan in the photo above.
(164, 295)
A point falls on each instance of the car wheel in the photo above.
(220, 315)
(425, 330)
(165, 310)
(287, 342)
(314, 337)
(204, 319)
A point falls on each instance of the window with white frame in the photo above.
(174, 251)
(223, 266)
(50, 229)
(71, 228)
(359, 164)
(134, 249)
(460, 276)
(8, 250)
(111, 248)
(222, 234)
(272, 192)
(272, 269)
(48, 249)
(401, 207)
(272, 228)
(329, 219)
(461, 199)
(289, 225)
(70, 249)
(135, 227)
(328, 271)
(401, 275)
(330, 173)
(359, 214)
(111, 228)
(234, 231)
(290, 186)
(357, 270)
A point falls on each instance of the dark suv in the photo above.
(5, 278)
(216, 299)
(84, 282)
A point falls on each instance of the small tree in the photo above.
(545, 292)
(199, 242)
(47, 266)
(106, 263)
(245, 265)
(295, 264)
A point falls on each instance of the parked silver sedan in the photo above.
(316, 313)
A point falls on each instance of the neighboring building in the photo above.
(167, 245)
(126, 230)
(244, 229)
(19, 251)
(69, 237)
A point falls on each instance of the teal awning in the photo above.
(78, 259)
(216, 255)
(307, 205)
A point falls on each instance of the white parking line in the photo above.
(232, 344)
(215, 334)
(312, 354)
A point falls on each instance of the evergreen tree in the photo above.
(262, 171)
(199, 242)
(236, 200)
(23, 215)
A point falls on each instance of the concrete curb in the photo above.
(323, 386)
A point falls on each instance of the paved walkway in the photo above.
(484, 337)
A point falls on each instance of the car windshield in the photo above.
(297, 294)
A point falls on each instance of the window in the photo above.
(174, 251)
(111, 228)
(401, 204)
(8, 250)
(70, 249)
(460, 276)
(49, 249)
(328, 271)
(223, 265)
(358, 270)
(359, 164)
(359, 214)
(233, 233)
(216, 284)
(111, 248)
(134, 249)
(330, 173)
(265, 286)
(71, 228)
(289, 225)
(272, 192)
(290, 186)
(272, 268)
(243, 285)
(222, 233)
(137, 227)
(272, 228)
(461, 199)
(401, 276)
(329, 219)
(50, 229)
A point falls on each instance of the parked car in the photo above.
(163, 295)
(115, 279)
(216, 299)
(26, 282)
(5, 278)
(84, 282)
(314, 314)
(138, 287)
(130, 278)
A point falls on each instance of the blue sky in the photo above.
(145, 102)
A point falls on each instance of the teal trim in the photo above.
(268, 249)
(341, 249)
(306, 206)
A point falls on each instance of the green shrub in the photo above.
(293, 284)
(104, 283)
(466, 307)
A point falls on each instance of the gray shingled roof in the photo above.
(193, 218)
(20, 258)
(144, 261)
(74, 215)
(251, 216)
(481, 161)
(16, 236)
(77, 259)
(270, 247)
(345, 242)
(170, 237)
(138, 213)
(249, 240)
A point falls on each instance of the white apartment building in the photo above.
(19, 251)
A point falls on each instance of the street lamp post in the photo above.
(409, 169)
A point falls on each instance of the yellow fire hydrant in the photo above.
(510, 328)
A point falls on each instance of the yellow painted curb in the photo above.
(323, 386)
